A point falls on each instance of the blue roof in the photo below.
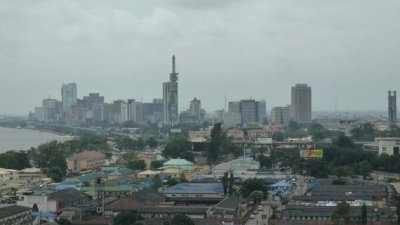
(281, 183)
(189, 188)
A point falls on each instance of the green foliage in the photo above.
(364, 215)
(126, 143)
(215, 146)
(63, 221)
(127, 218)
(341, 213)
(318, 132)
(157, 182)
(181, 220)
(278, 136)
(56, 173)
(265, 161)
(171, 182)
(257, 196)
(179, 147)
(230, 185)
(156, 164)
(254, 184)
(343, 141)
(16, 160)
(225, 183)
(152, 142)
(364, 132)
(136, 165)
(51, 154)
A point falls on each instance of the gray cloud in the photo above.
(347, 50)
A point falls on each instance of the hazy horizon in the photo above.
(347, 51)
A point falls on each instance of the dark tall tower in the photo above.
(392, 108)
(173, 77)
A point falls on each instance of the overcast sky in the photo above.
(347, 50)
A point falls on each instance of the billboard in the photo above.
(312, 153)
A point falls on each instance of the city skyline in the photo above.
(121, 50)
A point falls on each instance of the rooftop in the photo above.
(190, 188)
(11, 210)
(87, 155)
(179, 162)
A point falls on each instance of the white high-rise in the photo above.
(69, 96)
(170, 97)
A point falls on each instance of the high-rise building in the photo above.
(194, 115)
(170, 97)
(69, 96)
(392, 108)
(300, 110)
(153, 111)
(135, 111)
(120, 111)
(93, 98)
(280, 115)
(249, 109)
(49, 110)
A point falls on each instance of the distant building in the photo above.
(392, 111)
(170, 97)
(92, 99)
(301, 103)
(231, 119)
(153, 111)
(90, 160)
(250, 110)
(194, 115)
(280, 115)
(184, 192)
(69, 96)
(384, 145)
(135, 111)
(49, 110)
(120, 112)
(38, 115)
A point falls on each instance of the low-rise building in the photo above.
(194, 193)
(15, 215)
(89, 160)
(31, 174)
(384, 145)
(239, 167)
(8, 174)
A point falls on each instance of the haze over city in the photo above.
(347, 51)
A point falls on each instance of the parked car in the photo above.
(252, 216)
(260, 208)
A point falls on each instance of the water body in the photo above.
(24, 139)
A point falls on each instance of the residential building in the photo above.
(69, 96)
(301, 103)
(251, 111)
(89, 160)
(170, 97)
(392, 108)
(15, 215)
(120, 111)
(135, 202)
(39, 114)
(231, 119)
(280, 115)
(8, 174)
(31, 174)
(92, 99)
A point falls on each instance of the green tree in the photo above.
(156, 182)
(215, 146)
(364, 216)
(63, 221)
(230, 184)
(49, 155)
(398, 209)
(265, 161)
(341, 213)
(152, 142)
(365, 169)
(17, 160)
(225, 183)
(178, 147)
(127, 218)
(136, 165)
(257, 196)
(126, 143)
(155, 164)
(254, 184)
(181, 220)
(278, 136)
(140, 144)
(56, 174)
(343, 141)
(364, 132)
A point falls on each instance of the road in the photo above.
(266, 211)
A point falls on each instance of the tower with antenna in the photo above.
(170, 97)
(392, 108)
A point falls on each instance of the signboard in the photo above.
(312, 153)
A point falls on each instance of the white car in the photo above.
(260, 208)
(252, 216)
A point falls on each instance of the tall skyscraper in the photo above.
(392, 108)
(249, 109)
(170, 97)
(301, 103)
(280, 115)
(69, 96)
(49, 110)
